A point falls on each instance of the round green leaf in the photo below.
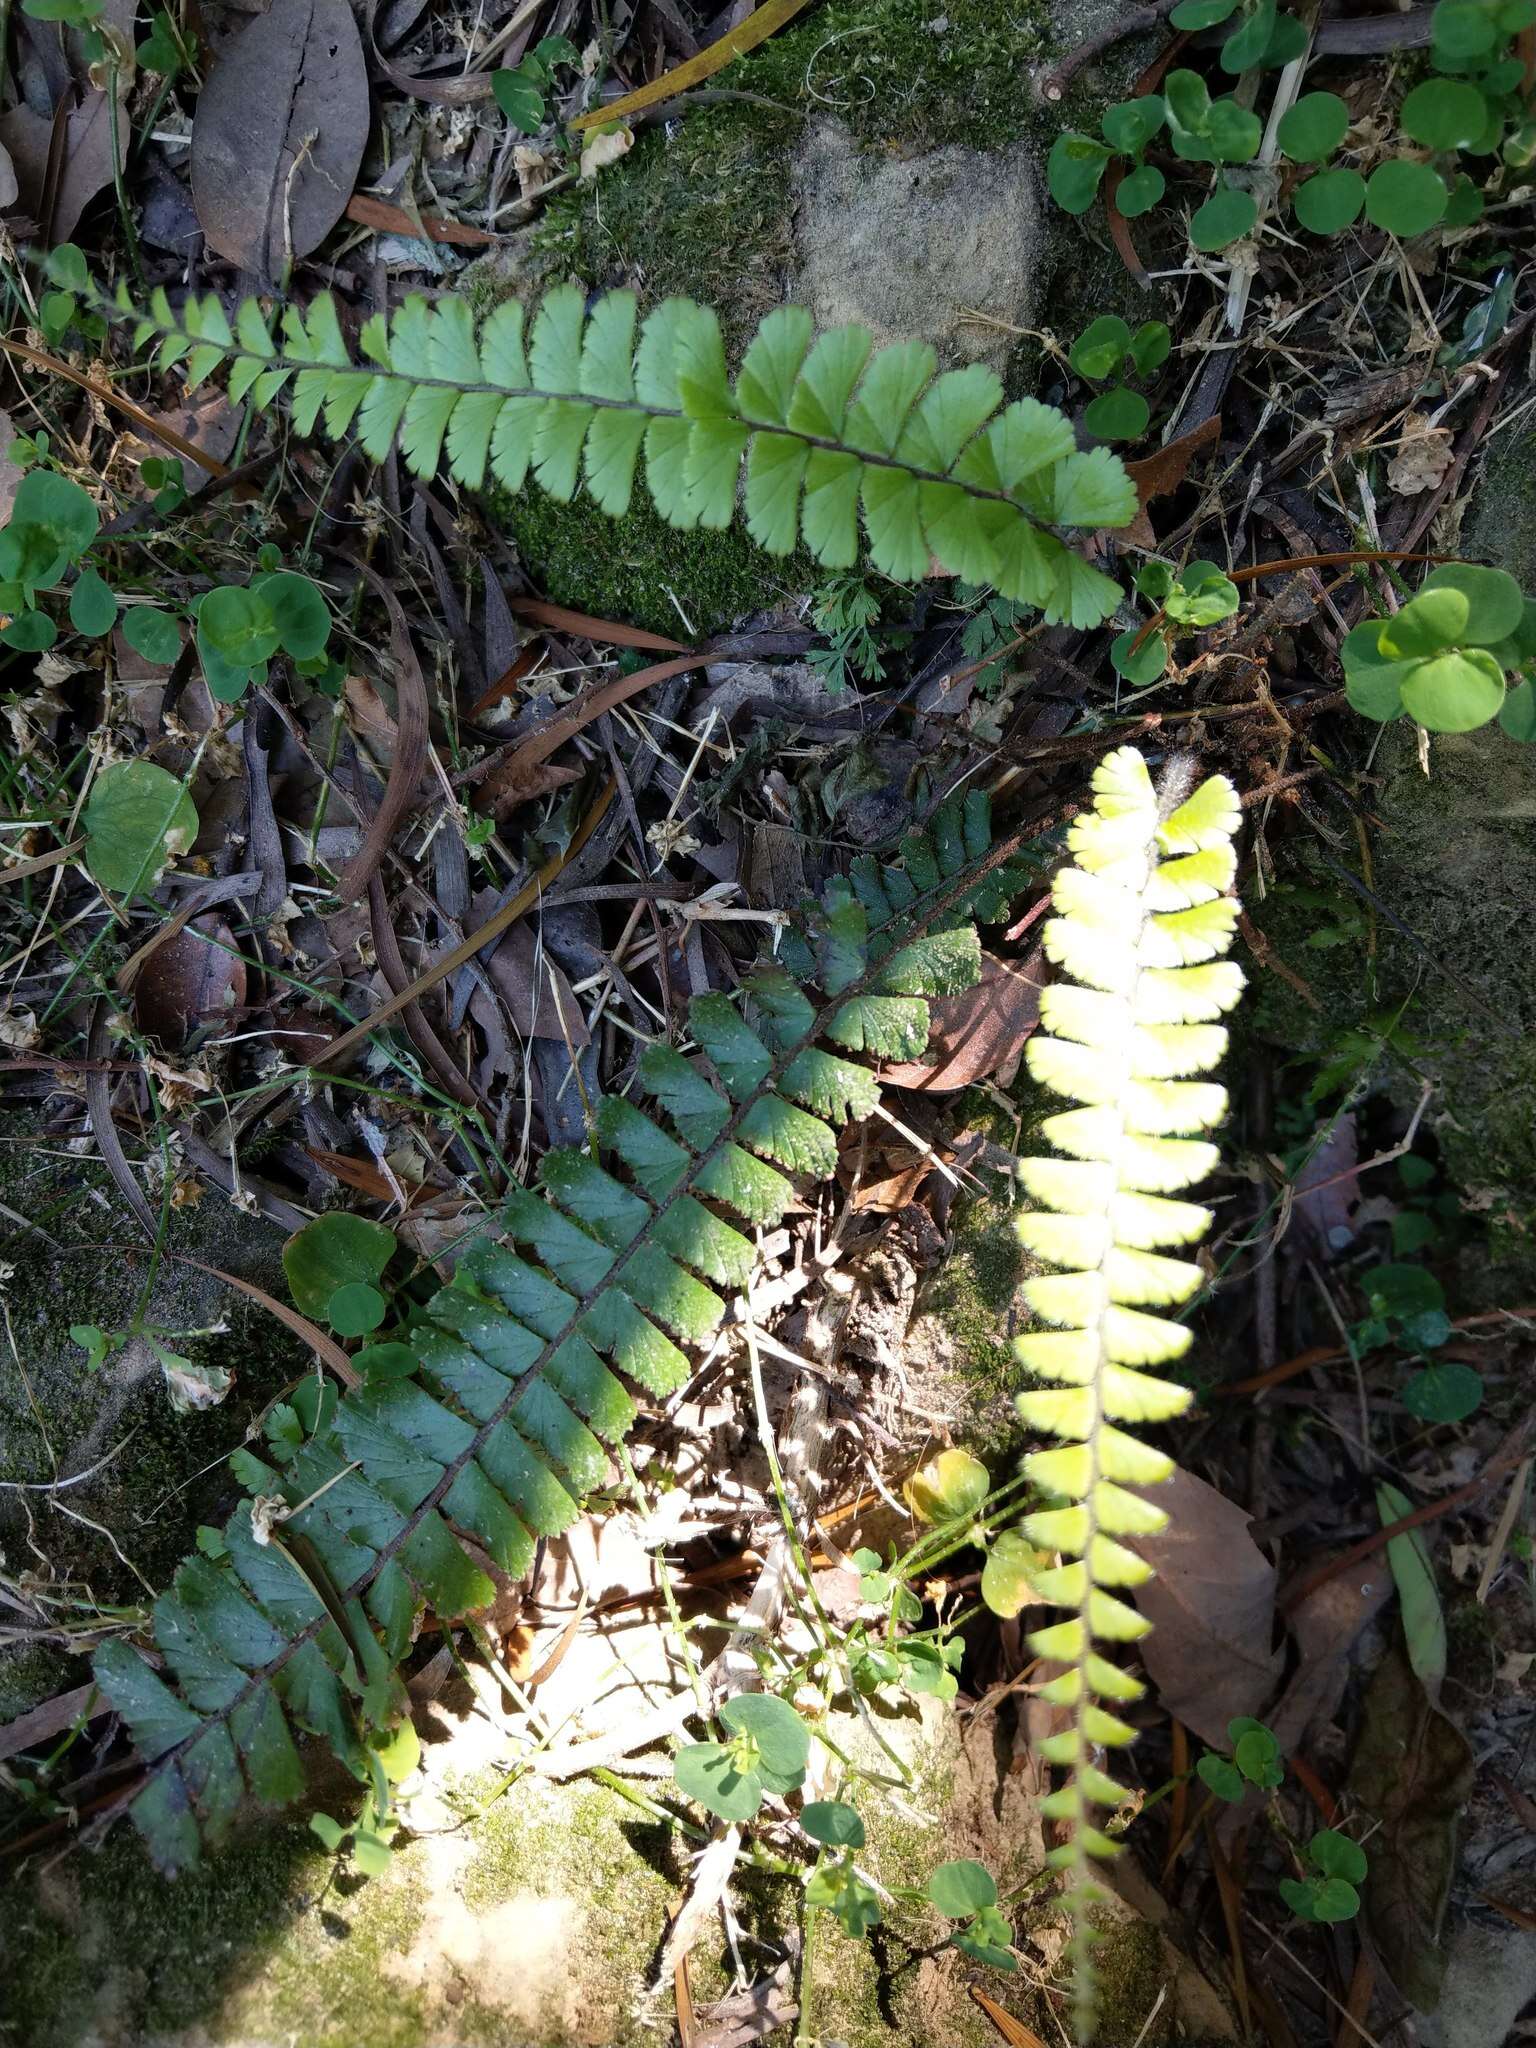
(237, 624)
(29, 632)
(1005, 1575)
(1312, 130)
(330, 1252)
(1117, 415)
(1140, 190)
(355, 1309)
(227, 680)
(1397, 1290)
(1148, 661)
(519, 99)
(1333, 1899)
(1463, 32)
(1517, 714)
(985, 1952)
(1465, 206)
(1404, 198)
(1287, 40)
(1444, 113)
(1373, 681)
(1335, 1855)
(1444, 1392)
(1131, 124)
(1330, 202)
(1188, 102)
(1225, 218)
(398, 1752)
(1150, 345)
(961, 1888)
(385, 1361)
(1101, 348)
(137, 818)
(1221, 1776)
(1257, 1756)
(1074, 169)
(92, 607)
(1299, 1896)
(782, 1738)
(68, 512)
(706, 1771)
(949, 1487)
(1233, 133)
(1495, 601)
(154, 635)
(1427, 623)
(66, 267)
(1193, 15)
(299, 613)
(1456, 691)
(833, 1824)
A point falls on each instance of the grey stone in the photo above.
(919, 246)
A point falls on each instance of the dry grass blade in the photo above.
(758, 26)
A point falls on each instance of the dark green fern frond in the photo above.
(831, 432)
(526, 1364)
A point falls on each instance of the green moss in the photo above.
(1132, 1970)
(635, 567)
(107, 1949)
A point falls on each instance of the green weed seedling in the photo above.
(1254, 1760)
(1407, 1310)
(1108, 350)
(1456, 656)
(521, 92)
(1335, 1866)
(1199, 595)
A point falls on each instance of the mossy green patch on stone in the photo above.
(641, 570)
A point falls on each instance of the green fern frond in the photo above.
(529, 1365)
(1143, 918)
(831, 431)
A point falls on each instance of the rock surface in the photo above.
(867, 232)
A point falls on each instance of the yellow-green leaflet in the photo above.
(1142, 919)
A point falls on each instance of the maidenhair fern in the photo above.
(522, 1366)
(1143, 916)
(830, 430)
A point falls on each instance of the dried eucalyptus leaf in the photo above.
(280, 131)
(1413, 1771)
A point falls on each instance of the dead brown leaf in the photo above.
(195, 978)
(979, 1034)
(59, 182)
(281, 127)
(394, 220)
(1413, 1770)
(1156, 475)
(1211, 1652)
(538, 996)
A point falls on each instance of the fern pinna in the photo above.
(523, 1363)
(830, 429)
(1142, 919)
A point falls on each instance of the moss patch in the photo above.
(640, 569)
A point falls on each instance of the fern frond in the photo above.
(533, 1362)
(1142, 918)
(830, 432)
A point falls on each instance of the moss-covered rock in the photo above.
(705, 205)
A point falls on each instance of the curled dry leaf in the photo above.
(979, 1034)
(604, 148)
(281, 127)
(1423, 457)
(194, 979)
(1211, 1652)
(84, 167)
(1413, 1771)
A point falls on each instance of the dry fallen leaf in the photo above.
(1211, 1652)
(280, 131)
(1413, 1771)
(979, 1034)
(1423, 457)
(603, 148)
